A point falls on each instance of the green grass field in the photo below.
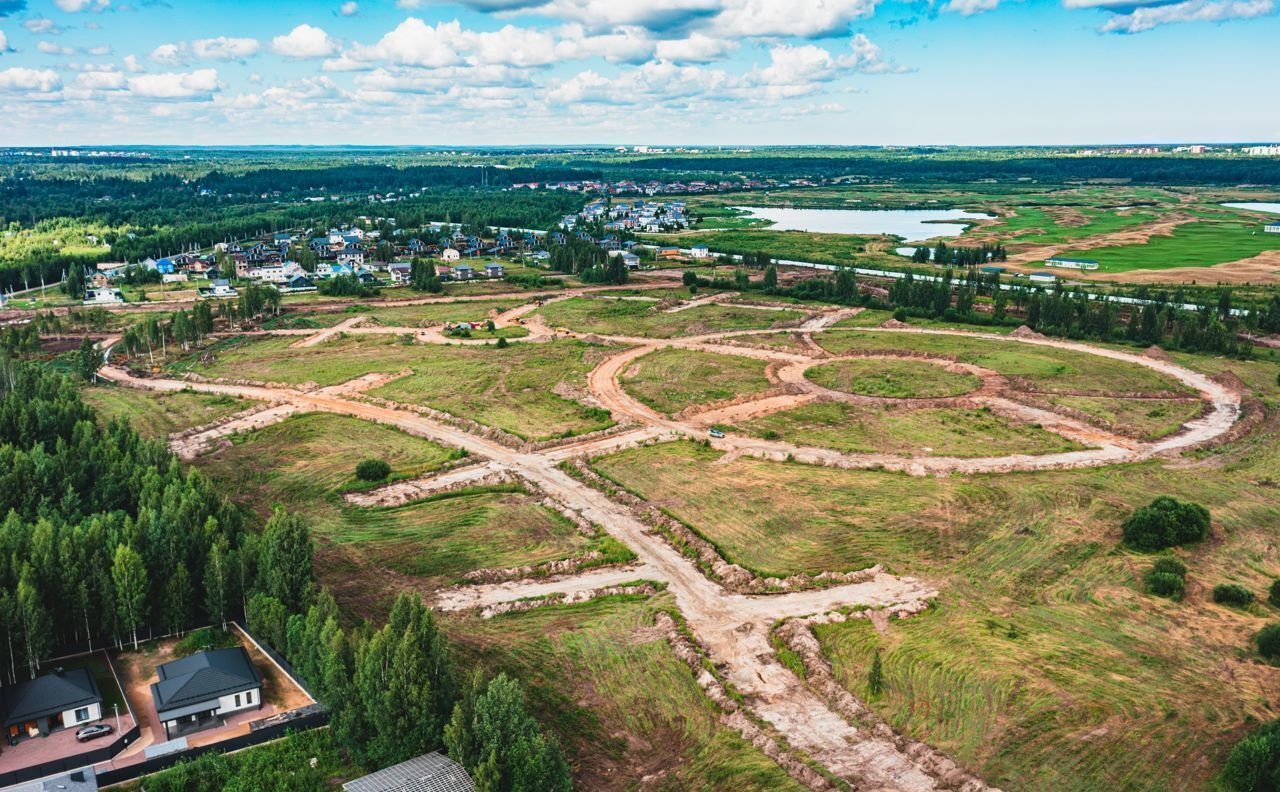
(439, 313)
(644, 319)
(1203, 243)
(1141, 418)
(607, 683)
(1036, 226)
(859, 429)
(1042, 367)
(669, 380)
(157, 415)
(844, 249)
(892, 379)
(514, 389)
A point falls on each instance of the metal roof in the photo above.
(48, 695)
(202, 677)
(432, 772)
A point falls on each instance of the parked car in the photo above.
(93, 732)
(716, 433)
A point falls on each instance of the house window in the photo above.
(248, 697)
(237, 699)
(82, 714)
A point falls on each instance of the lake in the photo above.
(1255, 207)
(912, 225)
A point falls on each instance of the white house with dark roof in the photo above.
(1273, 227)
(61, 700)
(197, 691)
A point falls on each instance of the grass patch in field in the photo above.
(858, 429)
(1146, 419)
(607, 683)
(1202, 243)
(846, 249)
(787, 341)
(777, 518)
(893, 379)
(1042, 227)
(439, 313)
(1042, 367)
(157, 415)
(669, 380)
(514, 389)
(633, 318)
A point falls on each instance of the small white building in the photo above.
(103, 295)
(1070, 263)
(1043, 277)
(699, 252)
(450, 254)
(1272, 227)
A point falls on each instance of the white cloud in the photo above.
(42, 26)
(1146, 18)
(607, 14)
(131, 64)
(4, 43)
(225, 49)
(304, 41)
(697, 48)
(199, 84)
(414, 43)
(971, 7)
(867, 57)
(796, 70)
(803, 18)
(511, 45)
(36, 80)
(169, 54)
(624, 44)
(49, 48)
(349, 8)
(105, 49)
(74, 6)
(101, 81)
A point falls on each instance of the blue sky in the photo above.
(699, 72)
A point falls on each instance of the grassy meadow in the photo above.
(157, 415)
(892, 379)
(669, 380)
(645, 319)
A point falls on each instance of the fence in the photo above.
(70, 763)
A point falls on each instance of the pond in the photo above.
(912, 225)
(1255, 207)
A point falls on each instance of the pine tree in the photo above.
(875, 677)
(770, 278)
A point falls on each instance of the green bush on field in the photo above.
(1232, 594)
(1273, 594)
(372, 470)
(1163, 584)
(1268, 641)
(1254, 763)
(1167, 578)
(1166, 522)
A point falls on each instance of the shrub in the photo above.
(1254, 763)
(1164, 584)
(372, 470)
(1273, 594)
(1232, 594)
(1166, 522)
(1170, 565)
(1268, 641)
(502, 343)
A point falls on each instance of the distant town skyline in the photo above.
(661, 73)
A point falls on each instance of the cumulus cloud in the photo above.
(696, 48)
(42, 26)
(104, 49)
(304, 41)
(75, 6)
(415, 43)
(131, 64)
(198, 85)
(101, 80)
(970, 7)
(4, 43)
(225, 49)
(867, 57)
(349, 8)
(20, 79)
(1145, 18)
(169, 54)
(49, 48)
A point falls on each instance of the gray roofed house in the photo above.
(431, 772)
(194, 692)
(59, 700)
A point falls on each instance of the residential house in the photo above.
(432, 772)
(221, 290)
(450, 254)
(103, 296)
(400, 272)
(463, 272)
(352, 256)
(699, 252)
(297, 283)
(63, 699)
(493, 270)
(668, 252)
(196, 692)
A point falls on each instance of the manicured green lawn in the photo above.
(1204, 243)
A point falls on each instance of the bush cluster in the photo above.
(372, 470)
(1166, 522)
(1232, 594)
(1268, 641)
(1167, 578)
